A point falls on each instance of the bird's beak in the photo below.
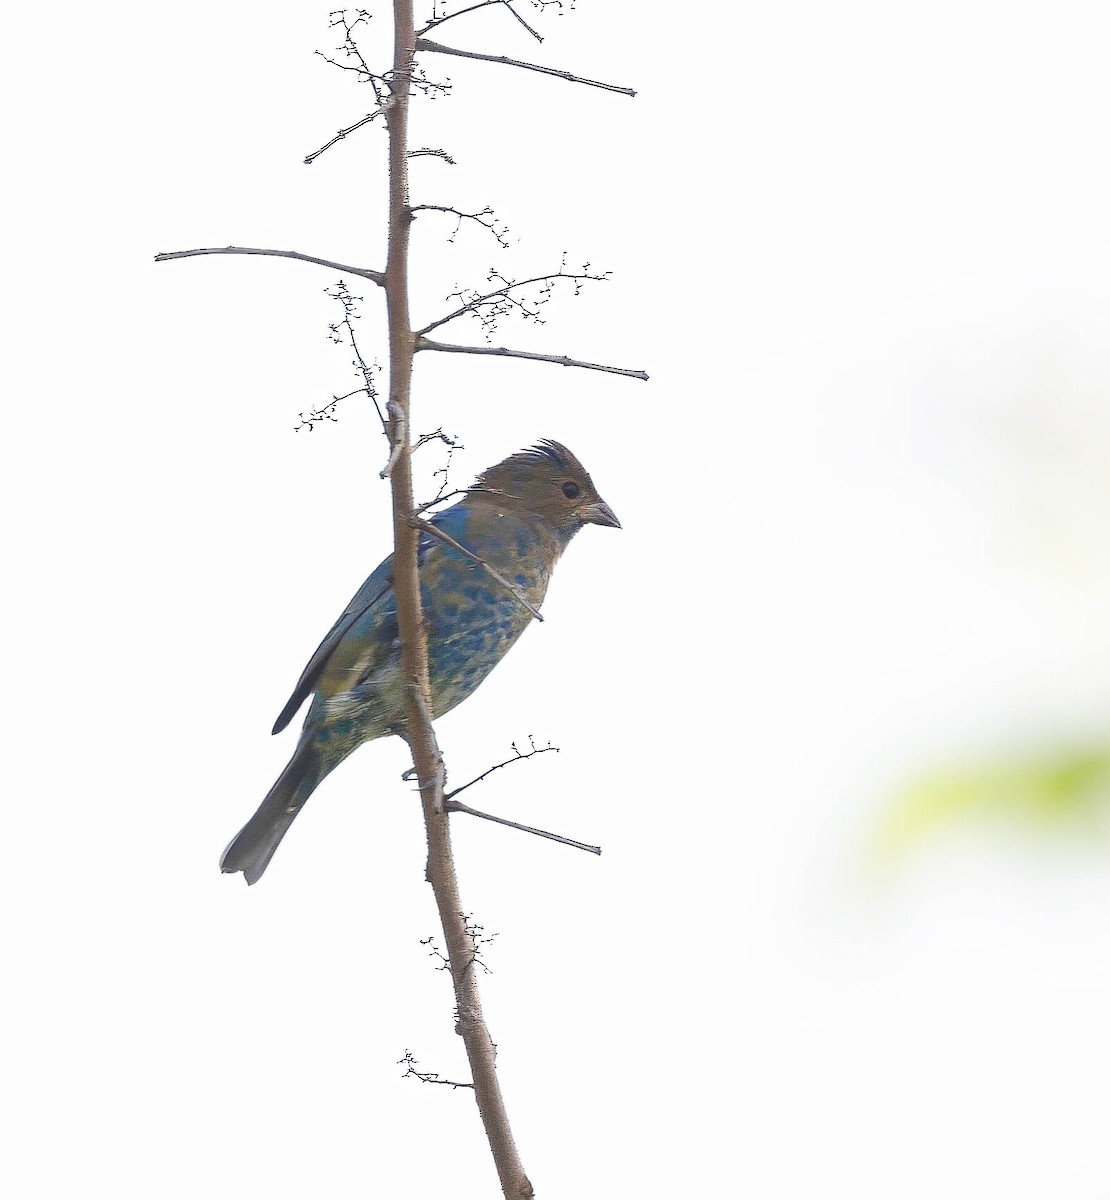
(600, 514)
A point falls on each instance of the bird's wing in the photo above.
(379, 584)
(377, 590)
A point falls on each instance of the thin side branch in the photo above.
(437, 21)
(341, 134)
(518, 756)
(325, 412)
(533, 32)
(410, 1064)
(428, 527)
(485, 217)
(439, 499)
(423, 343)
(428, 152)
(349, 49)
(458, 806)
(437, 435)
(345, 331)
(377, 277)
(479, 940)
(439, 48)
(488, 307)
(452, 444)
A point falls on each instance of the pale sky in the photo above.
(862, 251)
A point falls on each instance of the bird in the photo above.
(516, 520)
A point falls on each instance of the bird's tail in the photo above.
(253, 846)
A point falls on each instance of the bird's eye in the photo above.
(570, 489)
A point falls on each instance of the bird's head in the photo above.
(550, 482)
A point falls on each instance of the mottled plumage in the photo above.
(518, 517)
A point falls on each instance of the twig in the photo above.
(458, 806)
(479, 939)
(452, 444)
(437, 435)
(365, 369)
(499, 231)
(363, 71)
(311, 158)
(410, 1064)
(377, 277)
(327, 411)
(428, 527)
(502, 300)
(351, 50)
(436, 21)
(438, 48)
(432, 88)
(440, 499)
(523, 22)
(517, 757)
(423, 343)
(428, 152)
(488, 491)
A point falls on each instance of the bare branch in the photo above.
(518, 756)
(311, 158)
(479, 940)
(361, 69)
(344, 331)
(418, 731)
(458, 806)
(438, 48)
(423, 343)
(517, 595)
(439, 499)
(377, 277)
(317, 416)
(427, 152)
(426, 86)
(499, 231)
(453, 805)
(437, 21)
(381, 83)
(523, 22)
(326, 412)
(437, 435)
(410, 1064)
(489, 307)
(434, 20)
(452, 444)
(350, 49)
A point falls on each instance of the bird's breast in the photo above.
(475, 611)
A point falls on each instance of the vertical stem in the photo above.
(426, 758)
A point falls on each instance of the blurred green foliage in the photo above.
(1058, 790)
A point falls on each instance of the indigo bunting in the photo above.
(518, 517)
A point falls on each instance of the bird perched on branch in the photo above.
(478, 596)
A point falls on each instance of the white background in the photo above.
(863, 251)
